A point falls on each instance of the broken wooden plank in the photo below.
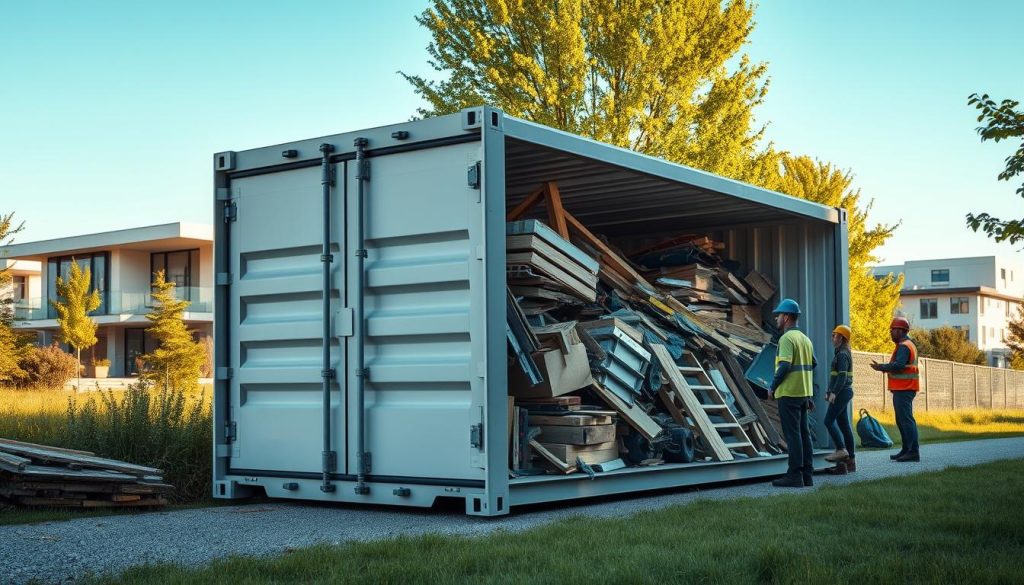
(551, 457)
(42, 453)
(14, 443)
(572, 420)
(11, 462)
(631, 413)
(515, 244)
(588, 453)
(585, 290)
(577, 435)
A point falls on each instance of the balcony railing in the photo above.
(119, 303)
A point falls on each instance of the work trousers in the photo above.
(793, 416)
(903, 405)
(837, 421)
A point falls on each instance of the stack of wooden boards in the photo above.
(662, 356)
(38, 475)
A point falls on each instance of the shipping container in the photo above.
(394, 390)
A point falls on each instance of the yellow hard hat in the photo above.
(842, 330)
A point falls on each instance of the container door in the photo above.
(424, 308)
(276, 321)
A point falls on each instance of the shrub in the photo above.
(101, 363)
(165, 428)
(47, 367)
(207, 370)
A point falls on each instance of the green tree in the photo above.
(1015, 339)
(1002, 121)
(872, 301)
(946, 343)
(74, 302)
(663, 78)
(11, 344)
(178, 360)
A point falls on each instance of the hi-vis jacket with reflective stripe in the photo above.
(907, 379)
(796, 348)
(841, 377)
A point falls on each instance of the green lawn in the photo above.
(956, 526)
(958, 425)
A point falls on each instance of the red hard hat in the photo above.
(899, 323)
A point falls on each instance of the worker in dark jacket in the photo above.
(904, 383)
(839, 395)
(793, 388)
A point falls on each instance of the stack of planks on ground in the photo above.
(38, 475)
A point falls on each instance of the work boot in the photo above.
(788, 480)
(851, 465)
(837, 455)
(839, 469)
(909, 457)
(898, 455)
(808, 480)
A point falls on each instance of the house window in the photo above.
(20, 288)
(96, 262)
(1002, 273)
(981, 305)
(983, 337)
(180, 267)
(929, 308)
(960, 305)
(940, 276)
(1008, 309)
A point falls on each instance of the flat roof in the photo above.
(959, 290)
(154, 237)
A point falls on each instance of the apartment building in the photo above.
(122, 264)
(978, 296)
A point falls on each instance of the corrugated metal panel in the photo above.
(424, 307)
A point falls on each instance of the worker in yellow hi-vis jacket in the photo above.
(793, 388)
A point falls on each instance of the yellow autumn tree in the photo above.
(75, 300)
(873, 302)
(663, 78)
(178, 360)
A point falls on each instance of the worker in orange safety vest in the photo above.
(904, 383)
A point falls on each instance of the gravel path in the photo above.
(62, 551)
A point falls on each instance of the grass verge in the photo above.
(958, 425)
(942, 527)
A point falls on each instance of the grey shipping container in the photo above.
(394, 390)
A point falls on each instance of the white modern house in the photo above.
(122, 264)
(978, 296)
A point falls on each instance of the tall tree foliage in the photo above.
(11, 344)
(872, 301)
(1015, 339)
(1002, 122)
(664, 78)
(946, 343)
(178, 360)
(74, 302)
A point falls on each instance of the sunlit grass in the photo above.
(958, 425)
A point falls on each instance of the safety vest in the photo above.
(798, 351)
(835, 372)
(908, 378)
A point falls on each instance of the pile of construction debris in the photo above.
(38, 475)
(622, 359)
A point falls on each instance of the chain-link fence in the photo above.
(944, 385)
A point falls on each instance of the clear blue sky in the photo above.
(110, 110)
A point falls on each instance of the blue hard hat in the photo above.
(787, 306)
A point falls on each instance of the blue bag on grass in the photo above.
(871, 432)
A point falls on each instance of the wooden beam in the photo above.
(556, 213)
(532, 199)
(608, 256)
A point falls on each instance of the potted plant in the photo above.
(101, 368)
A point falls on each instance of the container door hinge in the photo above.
(330, 460)
(366, 461)
(230, 212)
(230, 431)
(329, 374)
(476, 436)
(363, 170)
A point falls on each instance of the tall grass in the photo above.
(169, 429)
(958, 425)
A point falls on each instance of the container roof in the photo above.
(621, 192)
